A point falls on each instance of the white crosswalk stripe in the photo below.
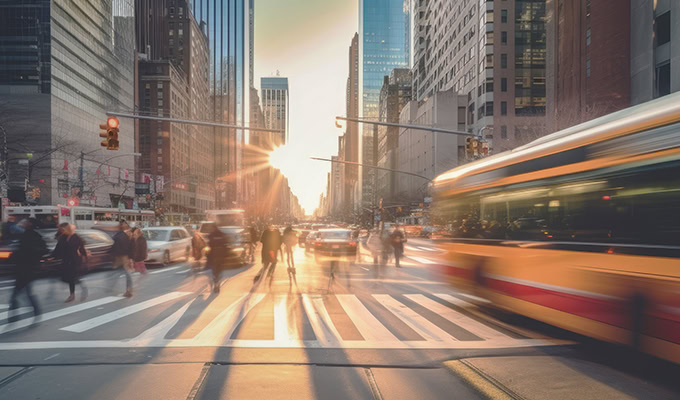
(123, 312)
(19, 311)
(287, 309)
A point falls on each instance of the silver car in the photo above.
(167, 244)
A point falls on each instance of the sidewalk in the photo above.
(551, 377)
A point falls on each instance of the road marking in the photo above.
(422, 260)
(51, 357)
(415, 321)
(456, 301)
(223, 326)
(7, 288)
(321, 322)
(164, 270)
(284, 331)
(184, 272)
(364, 268)
(4, 306)
(123, 312)
(411, 248)
(11, 281)
(367, 324)
(475, 298)
(156, 333)
(457, 318)
(427, 249)
(59, 313)
(21, 310)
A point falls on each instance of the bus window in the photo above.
(48, 221)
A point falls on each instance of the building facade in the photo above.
(654, 49)
(426, 153)
(59, 75)
(228, 26)
(588, 60)
(352, 128)
(494, 52)
(275, 106)
(384, 44)
(174, 81)
(395, 93)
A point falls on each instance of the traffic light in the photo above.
(73, 201)
(109, 131)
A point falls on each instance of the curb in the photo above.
(483, 383)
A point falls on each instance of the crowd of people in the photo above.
(129, 250)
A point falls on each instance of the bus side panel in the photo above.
(608, 296)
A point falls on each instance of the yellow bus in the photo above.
(579, 229)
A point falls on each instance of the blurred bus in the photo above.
(82, 217)
(579, 229)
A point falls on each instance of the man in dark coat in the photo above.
(121, 255)
(217, 241)
(27, 259)
(271, 246)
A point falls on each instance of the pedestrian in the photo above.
(217, 241)
(271, 245)
(397, 239)
(70, 249)
(138, 251)
(252, 243)
(121, 259)
(26, 259)
(289, 241)
(197, 246)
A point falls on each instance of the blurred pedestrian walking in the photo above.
(397, 239)
(271, 246)
(26, 259)
(138, 251)
(197, 247)
(121, 257)
(70, 249)
(217, 241)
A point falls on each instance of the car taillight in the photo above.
(352, 244)
(317, 244)
(5, 254)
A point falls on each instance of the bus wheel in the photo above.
(638, 304)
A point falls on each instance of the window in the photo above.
(588, 68)
(504, 37)
(588, 37)
(504, 84)
(504, 16)
(504, 132)
(504, 60)
(663, 79)
(662, 28)
(489, 108)
(504, 108)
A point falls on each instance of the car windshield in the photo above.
(159, 235)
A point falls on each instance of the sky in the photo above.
(308, 42)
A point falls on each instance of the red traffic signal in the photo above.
(109, 132)
(73, 201)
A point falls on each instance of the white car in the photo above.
(167, 244)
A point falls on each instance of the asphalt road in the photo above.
(367, 333)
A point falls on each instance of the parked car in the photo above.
(335, 245)
(97, 243)
(167, 244)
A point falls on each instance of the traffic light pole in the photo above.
(189, 121)
(372, 166)
(408, 126)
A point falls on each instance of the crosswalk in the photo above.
(343, 321)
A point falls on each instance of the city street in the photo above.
(396, 336)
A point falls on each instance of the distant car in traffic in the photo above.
(335, 245)
(309, 241)
(97, 243)
(167, 244)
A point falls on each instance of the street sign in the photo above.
(5, 202)
(142, 188)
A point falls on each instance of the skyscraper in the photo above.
(59, 74)
(228, 28)
(384, 44)
(275, 106)
(352, 131)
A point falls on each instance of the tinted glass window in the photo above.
(156, 234)
(342, 235)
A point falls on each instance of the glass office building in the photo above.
(384, 44)
(228, 27)
(63, 65)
